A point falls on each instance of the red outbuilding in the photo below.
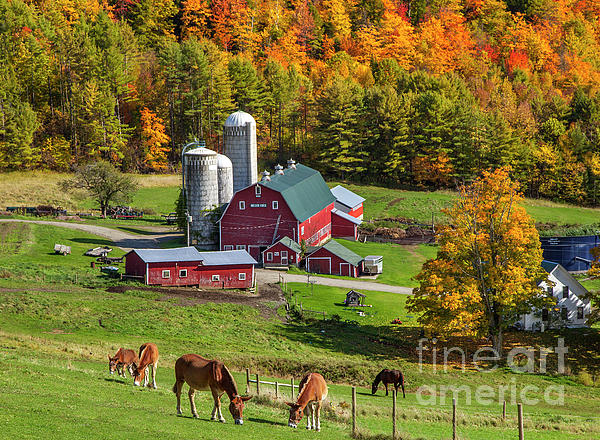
(296, 203)
(188, 267)
(334, 259)
(348, 202)
(344, 225)
(282, 254)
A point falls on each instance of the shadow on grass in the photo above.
(95, 241)
(116, 380)
(266, 422)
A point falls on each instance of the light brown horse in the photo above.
(395, 377)
(123, 359)
(204, 374)
(148, 357)
(312, 393)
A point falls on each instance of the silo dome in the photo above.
(224, 179)
(239, 138)
(202, 193)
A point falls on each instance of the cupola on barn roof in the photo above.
(239, 119)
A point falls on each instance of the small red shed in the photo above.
(334, 259)
(188, 267)
(348, 202)
(283, 253)
(344, 225)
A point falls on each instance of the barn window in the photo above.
(275, 204)
(241, 247)
(228, 247)
(564, 314)
(302, 230)
(166, 274)
(269, 256)
(241, 276)
(242, 205)
(549, 290)
(183, 273)
(579, 312)
(544, 314)
(257, 190)
(565, 292)
(284, 254)
(216, 278)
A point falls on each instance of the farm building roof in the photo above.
(345, 216)
(190, 253)
(289, 243)
(549, 266)
(303, 189)
(342, 252)
(346, 197)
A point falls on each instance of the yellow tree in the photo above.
(194, 17)
(154, 140)
(488, 265)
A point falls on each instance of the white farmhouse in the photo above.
(571, 310)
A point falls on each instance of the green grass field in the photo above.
(55, 334)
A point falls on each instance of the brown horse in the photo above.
(148, 357)
(386, 376)
(123, 359)
(204, 374)
(312, 393)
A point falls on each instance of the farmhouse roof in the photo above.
(289, 243)
(342, 252)
(303, 189)
(549, 266)
(346, 197)
(345, 216)
(190, 253)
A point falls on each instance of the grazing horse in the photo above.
(312, 393)
(204, 374)
(123, 359)
(389, 376)
(148, 357)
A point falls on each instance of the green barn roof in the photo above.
(303, 189)
(342, 252)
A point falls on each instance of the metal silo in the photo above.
(202, 194)
(239, 138)
(224, 179)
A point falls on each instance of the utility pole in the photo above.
(188, 220)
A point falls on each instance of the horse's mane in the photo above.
(378, 378)
(301, 390)
(227, 380)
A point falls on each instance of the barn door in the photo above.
(345, 269)
(284, 258)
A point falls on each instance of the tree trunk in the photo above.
(497, 339)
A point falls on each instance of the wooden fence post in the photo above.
(394, 414)
(453, 419)
(257, 385)
(292, 382)
(247, 380)
(504, 410)
(276, 390)
(353, 410)
(521, 435)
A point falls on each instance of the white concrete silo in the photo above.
(224, 179)
(239, 138)
(202, 194)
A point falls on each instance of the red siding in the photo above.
(256, 225)
(134, 265)
(317, 228)
(357, 211)
(200, 275)
(342, 228)
(322, 260)
(275, 252)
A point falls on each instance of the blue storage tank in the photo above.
(573, 253)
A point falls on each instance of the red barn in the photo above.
(188, 267)
(348, 202)
(344, 225)
(296, 204)
(282, 254)
(334, 259)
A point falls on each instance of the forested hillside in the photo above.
(417, 92)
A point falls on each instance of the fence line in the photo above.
(276, 384)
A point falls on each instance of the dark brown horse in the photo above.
(123, 359)
(312, 391)
(148, 358)
(204, 374)
(386, 376)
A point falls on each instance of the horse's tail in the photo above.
(175, 388)
(402, 384)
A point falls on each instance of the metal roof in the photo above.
(342, 252)
(223, 161)
(303, 189)
(549, 266)
(239, 119)
(289, 243)
(345, 216)
(190, 253)
(201, 151)
(346, 197)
